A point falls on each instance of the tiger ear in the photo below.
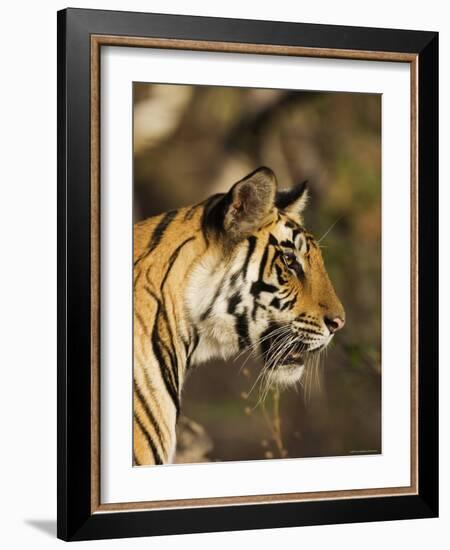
(249, 201)
(294, 201)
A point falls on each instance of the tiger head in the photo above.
(261, 283)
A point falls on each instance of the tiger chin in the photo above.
(236, 272)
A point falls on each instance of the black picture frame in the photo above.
(76, 520)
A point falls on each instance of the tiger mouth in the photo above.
(276, 357)
(296, 358)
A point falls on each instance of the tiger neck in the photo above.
(161, 309)
(173, 327)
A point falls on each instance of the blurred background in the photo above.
(193, 141)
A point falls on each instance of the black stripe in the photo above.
(251, 248)
(172, 381)
(313, 320)
(307, 246)
(260, 286)
(165, 370)
(257, 305)
(296, 231)
(156, 455)
(193, 346)
(242, 330)
(276, 254)
(190, 213)
(172, 259)
(152, 294)
(280, 274)
(135, 460)
(209, 309)
(169, 349)
(150, 387)
(161, 228)
(299, 271)
(149, 414)
(157, 234)
(275, 303)
(273, 240)
(161, 309)
(171, 352)
(290, 304)
(156, 340)
(311, 240)
(310, 324)
(234, 278)
(310, 331)
(290, 224)
(137, 275)
(233, 302)
(263, 263)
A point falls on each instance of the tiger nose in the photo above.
(334, 324)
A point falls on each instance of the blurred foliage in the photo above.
(193, 141)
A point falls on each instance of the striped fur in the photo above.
(237, 271)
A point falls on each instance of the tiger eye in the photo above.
(291, 262)
(289, 259)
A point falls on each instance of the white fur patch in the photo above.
(288, 375)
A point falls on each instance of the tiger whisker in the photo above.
(272, 361)
(329, 229)
(276, 360)
(252, 350)
(262, 377)
(260, 340)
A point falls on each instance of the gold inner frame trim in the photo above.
(97, 41)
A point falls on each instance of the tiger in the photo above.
(237, 271)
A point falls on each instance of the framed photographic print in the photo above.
(247, 274)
